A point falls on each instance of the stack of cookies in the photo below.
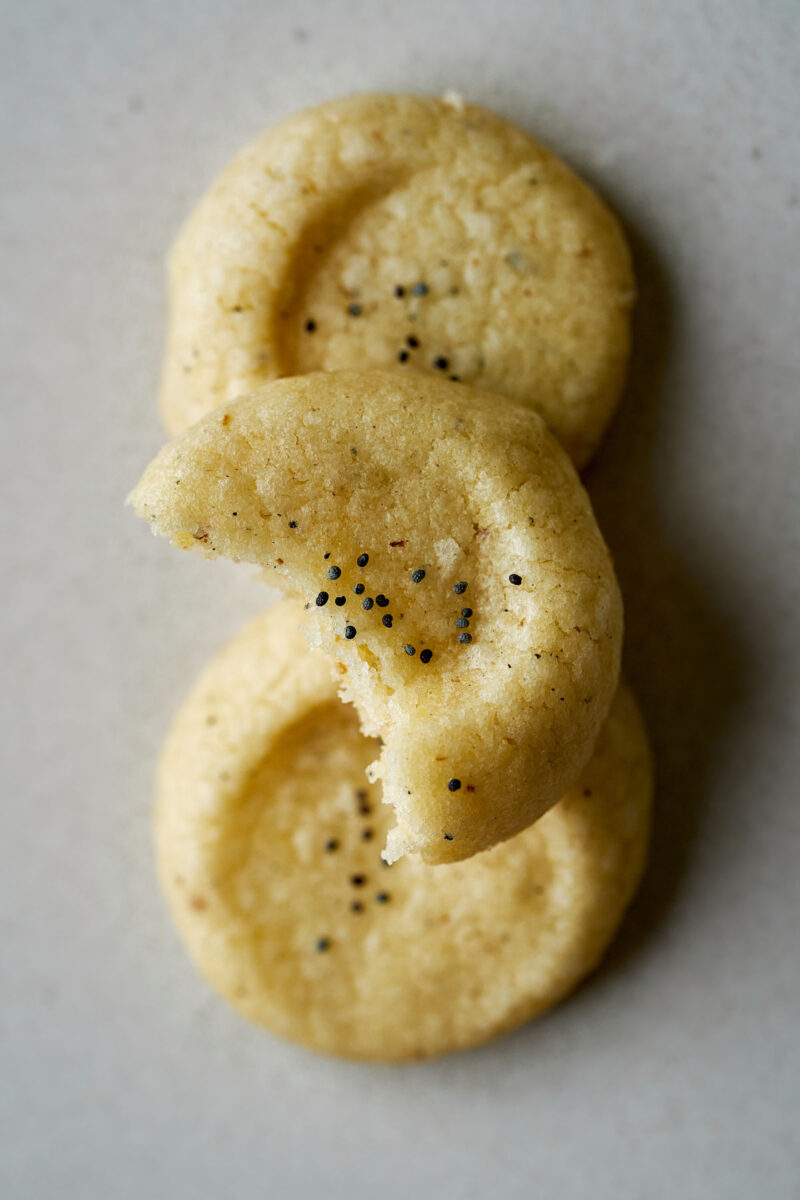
(405, 809)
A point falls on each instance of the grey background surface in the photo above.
(675, 1071)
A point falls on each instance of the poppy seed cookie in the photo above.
(328, 483)
(405, 231)
(268, 839)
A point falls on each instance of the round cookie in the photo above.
(268, 839)
(453, 572)
(394, 229)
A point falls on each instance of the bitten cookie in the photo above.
(453, 572)
(268, 840)
(391, 229)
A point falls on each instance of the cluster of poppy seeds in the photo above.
(440, 362)
(382, 601)
(463, 621)
(358, 879)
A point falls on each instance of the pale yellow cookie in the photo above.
(428, 234)
(269, 842)
(454, 574)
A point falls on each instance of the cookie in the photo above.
(452, 569)
(382, 230)
(268, 838)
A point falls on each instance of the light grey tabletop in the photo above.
(675, 1071)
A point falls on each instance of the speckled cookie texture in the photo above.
(398, 229)
(269, 838)
(453, 573)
